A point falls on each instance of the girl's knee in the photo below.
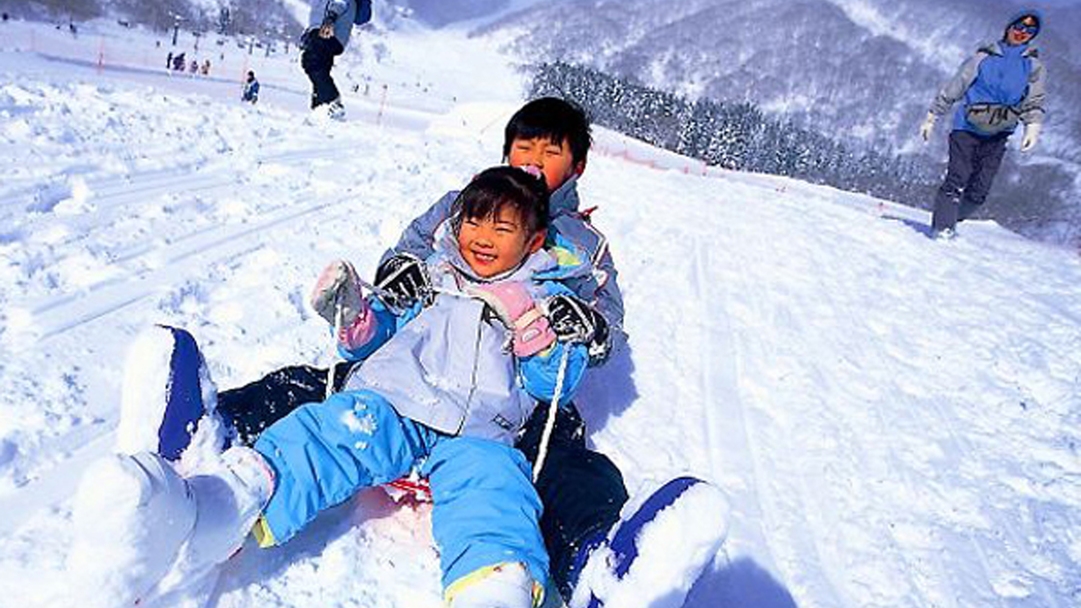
(477, 460)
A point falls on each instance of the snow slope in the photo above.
(895, 419)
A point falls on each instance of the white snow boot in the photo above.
(506, 585)
(144, 534)
(658, 549)
(169, 401)
(229, 497)
(131, 516)
(336, 110)
(327, 113)
(945, 234)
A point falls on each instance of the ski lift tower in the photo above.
(176, 25)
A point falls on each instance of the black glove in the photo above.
(575, 321)
(403, 280)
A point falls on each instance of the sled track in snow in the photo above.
(58, 314)
(734, 458)
(788, 510)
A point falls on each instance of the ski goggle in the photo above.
(1028, 25)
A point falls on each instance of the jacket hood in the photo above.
(564, 199)
(535, 264)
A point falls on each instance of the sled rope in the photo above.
(334, 347)
(382, 294)
(388, 297)
(549, 424)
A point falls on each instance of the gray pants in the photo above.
(974, 161)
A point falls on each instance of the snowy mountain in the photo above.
(895, 419)
(862, 68)
(861, 72)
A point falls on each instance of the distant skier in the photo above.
(251, 89)
(1001, 84)
(330, 24)
(179, 62)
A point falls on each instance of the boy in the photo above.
(440, 391)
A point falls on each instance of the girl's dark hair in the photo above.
(494, 189)
(552, 118)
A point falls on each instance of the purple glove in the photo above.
(512, 302)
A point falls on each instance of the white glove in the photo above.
(927, 126)
(1032, 132)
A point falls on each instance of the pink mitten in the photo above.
(337, 296)
(357, 333)
(512, 302)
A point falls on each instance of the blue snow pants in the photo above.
(485, 510)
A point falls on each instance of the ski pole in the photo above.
(550, 423)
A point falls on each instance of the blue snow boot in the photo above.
(169, 400)
(658, 549)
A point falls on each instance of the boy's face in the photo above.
(496, 244)
(553, 159)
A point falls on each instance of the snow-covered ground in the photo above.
(896, 420)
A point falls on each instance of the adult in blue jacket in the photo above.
(999, 86)
(329, 26)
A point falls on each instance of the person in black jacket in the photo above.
(330, 24)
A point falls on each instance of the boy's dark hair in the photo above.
(553, 118)
(493, 189)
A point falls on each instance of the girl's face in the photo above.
(496, 244)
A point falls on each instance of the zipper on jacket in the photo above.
(476, 365)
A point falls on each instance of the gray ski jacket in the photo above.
(996, 77)
(448, 365)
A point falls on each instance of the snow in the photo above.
(894, 419)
